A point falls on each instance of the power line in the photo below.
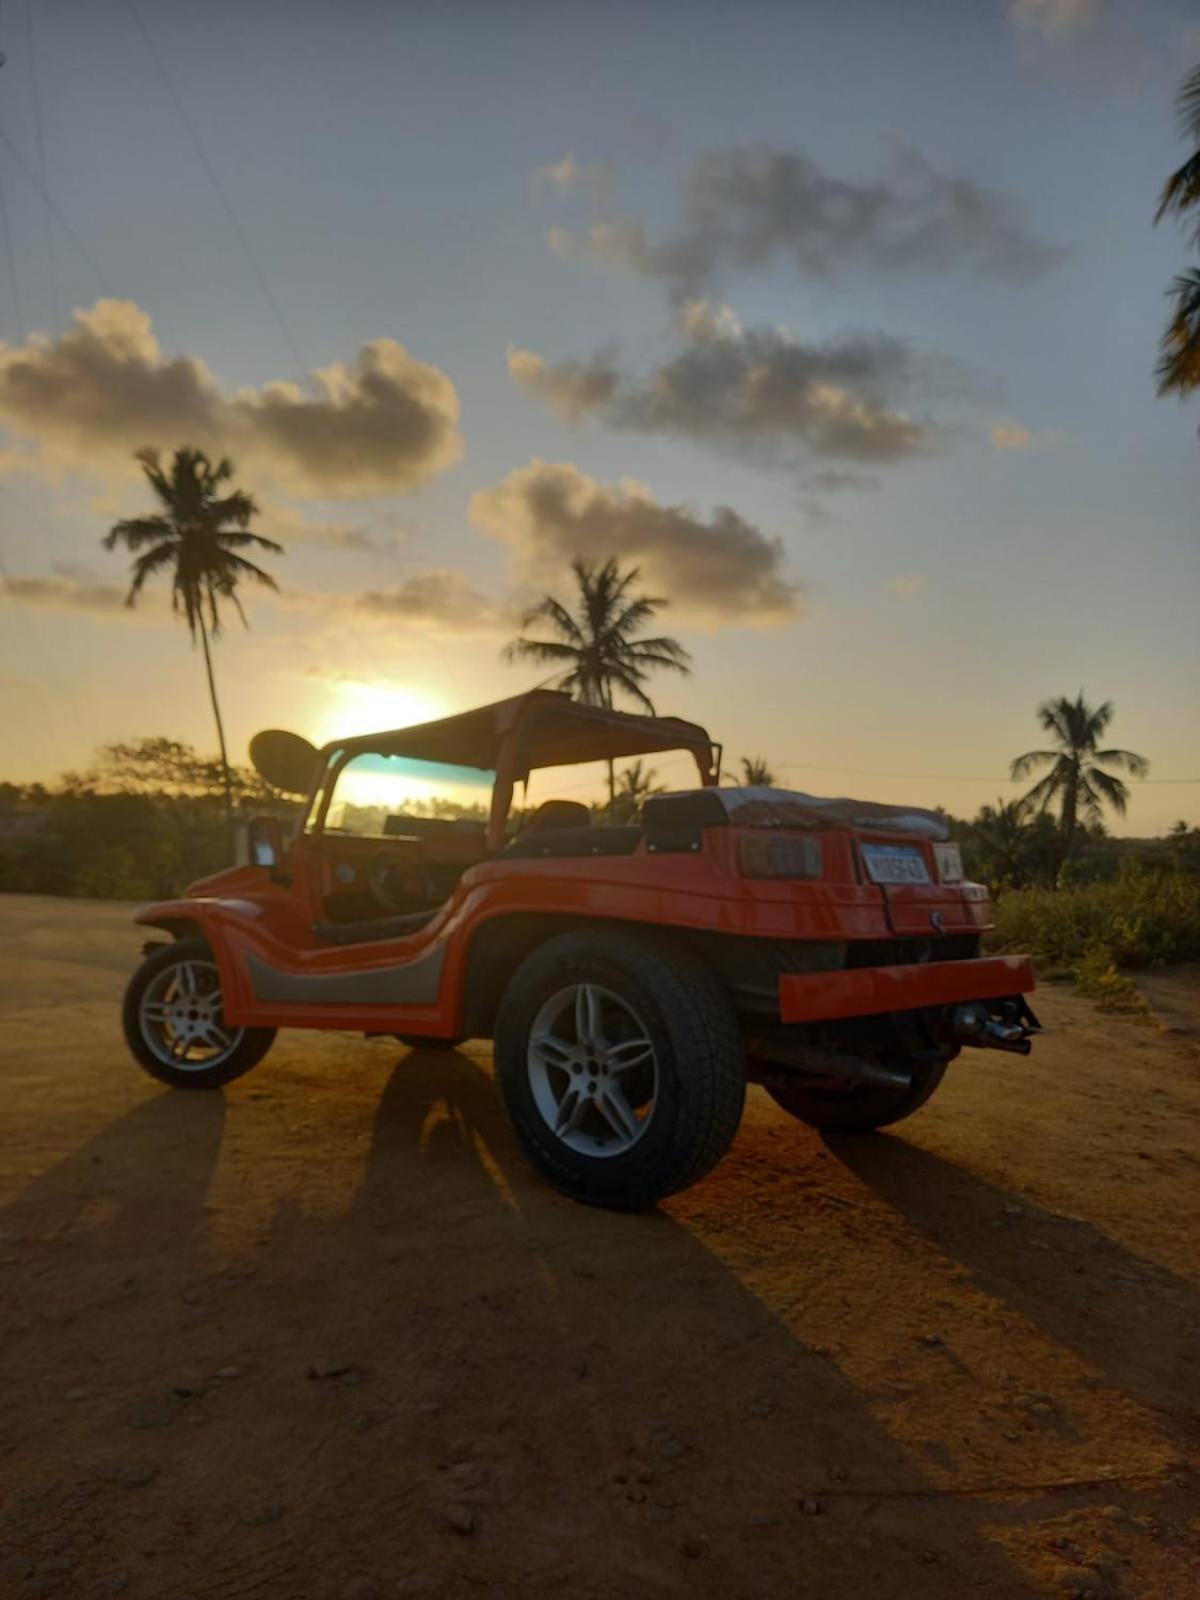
(10, 259)
(49, 201)
(226, 206)
(940, 777)
(40, 142)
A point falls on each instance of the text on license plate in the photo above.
(895, 863)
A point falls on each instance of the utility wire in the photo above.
(941, 777)
(52, 205)
(40, 142)
(10, 259)
(223, 199)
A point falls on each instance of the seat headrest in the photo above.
(558, 814)
(670, 813)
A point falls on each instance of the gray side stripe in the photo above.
(412, 985)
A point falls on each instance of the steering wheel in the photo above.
(395, 887)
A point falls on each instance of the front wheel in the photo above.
(621, 1067)
(861, 1109)
(174, 1024)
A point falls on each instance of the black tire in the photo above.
(249, 1047)
(701, 1077)
(860, 1110)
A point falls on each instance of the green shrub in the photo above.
(1142, 918)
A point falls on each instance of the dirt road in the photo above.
(960, 1360)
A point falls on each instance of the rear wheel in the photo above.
(620, 1065)
(174, 1024)
(860, 1109)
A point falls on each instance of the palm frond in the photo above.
(133, 532)
(632, 687)
(147, 565)
(238, 539)
(556, 614)
(233, 566)
(1178, 366)
(1040, 796)
(542, 650)
(1022, 766)
(1188, 105)
(1181, 192)
(1136, 766)
(1105, 786)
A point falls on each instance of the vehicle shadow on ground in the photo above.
(641, 1399)
(1130, 1318)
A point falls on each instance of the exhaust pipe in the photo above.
(976, 1025)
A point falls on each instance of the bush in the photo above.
(1143, 918)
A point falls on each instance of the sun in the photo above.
(354, 706)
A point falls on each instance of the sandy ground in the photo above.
(959, 1360)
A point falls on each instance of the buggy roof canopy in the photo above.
(544, 728)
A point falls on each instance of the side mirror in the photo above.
(266, 843)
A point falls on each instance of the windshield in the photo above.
(372, 793)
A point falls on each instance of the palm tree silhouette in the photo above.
(636, 785)
(596, 651)
(756, 773)
(197, 536)
(1076, 776)
(1178, 368)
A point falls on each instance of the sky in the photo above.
(837, 320)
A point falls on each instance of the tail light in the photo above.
(949, 863)
(775, 855)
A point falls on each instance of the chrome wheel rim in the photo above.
(593, 1072)
(181, 1020)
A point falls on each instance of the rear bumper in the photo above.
(867, 991)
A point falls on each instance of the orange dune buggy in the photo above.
(633, 978)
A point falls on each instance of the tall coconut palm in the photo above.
(597, 653)
(196, 537)
(1179, 359)
(1077, 778)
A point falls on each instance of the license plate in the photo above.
(895, 863)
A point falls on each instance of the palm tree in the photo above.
(596, 653)
(635, 788)
(1179, 361)
(756, 773)
(196, 536)
(1001, 841)
(1076, 776)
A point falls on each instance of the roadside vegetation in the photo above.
(1148, 915)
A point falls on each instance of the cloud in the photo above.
(1009, 435)
(60, 591)
(291, 527)
(747, 206)
(571, 389)
(441, 598)
(722, 569)
(907, 583)
(569, 176)
(761, 393)
(1054, 19)
(382, 424)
